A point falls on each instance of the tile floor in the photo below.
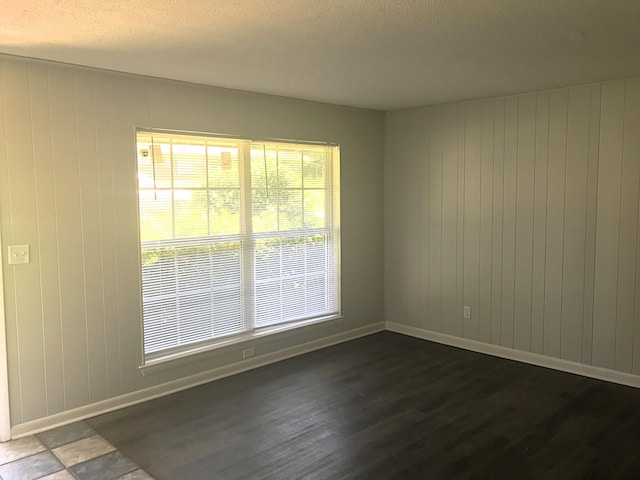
(71, 452)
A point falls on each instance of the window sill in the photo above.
(202, 353)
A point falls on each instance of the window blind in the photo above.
(235, 235)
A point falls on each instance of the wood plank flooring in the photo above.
(386, 406)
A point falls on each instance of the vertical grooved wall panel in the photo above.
(605, 304)
(471, 225)
(510, 174)
(524, 221)
(575, 201)
(68, 188)
(66, 180)
(627, 245)
(91, 248)
(417, 158)
(49, 282)
(556, 176)
(450, 310)
(590, 229)
(498, 222)
(435, 191)
(543, 193)
(486, 223)
(540, 222)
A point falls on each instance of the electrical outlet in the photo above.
(248, 352)
(466, 312)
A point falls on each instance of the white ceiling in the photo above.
(380, 54)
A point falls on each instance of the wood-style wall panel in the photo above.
(541, 172)
(607, 254)
(591, 223)
(509, 189)
(472, 215)
(498, 221)
(450, 309)
(20, 165)
(486, 223)
(555, 222)
(434, 220)
(525, 178)
(90, 227)
(627, 245)
(575, 204)
(548, 220)
(68, 188)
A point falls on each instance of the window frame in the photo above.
(158, 360)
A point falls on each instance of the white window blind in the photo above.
(235, 235)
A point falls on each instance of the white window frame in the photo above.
(157, 360)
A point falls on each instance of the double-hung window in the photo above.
(236, 237)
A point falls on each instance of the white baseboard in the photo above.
(139, 396)
(622, 378)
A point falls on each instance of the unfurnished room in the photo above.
(320, 240)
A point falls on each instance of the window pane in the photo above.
(316, 253)
(226, 261)
(224, 166)
(191, 219)
(158, 272)
(156, 214)
(264, 168)
(227, 311)
(317, 294)
(293, 257)
(293, 299)
(160, 324)
(314, 169)
(264, 208)
(154, 165)
(314, 208)
(189, 166)
(224, 212)
(193, 266)
(268, 301)
(290, 210)
(196, 318)
(290, 167)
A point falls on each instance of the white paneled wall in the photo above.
(68, 189)
(526, 209)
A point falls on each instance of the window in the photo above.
(236, 236)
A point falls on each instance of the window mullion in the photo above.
(247, 241)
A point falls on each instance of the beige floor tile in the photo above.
(20, 448)
(62, 475)
(83, 450)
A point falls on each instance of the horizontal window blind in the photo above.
(235, 235)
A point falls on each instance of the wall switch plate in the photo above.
(466, 312)
(248, 352)
(18, 254)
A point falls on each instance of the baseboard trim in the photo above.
(599, 373)
(139, 396)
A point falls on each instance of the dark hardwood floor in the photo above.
(386, 407)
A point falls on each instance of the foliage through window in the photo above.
(235, 235)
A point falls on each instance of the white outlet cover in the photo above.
(248, 352)
(18, 254)
(467, 312)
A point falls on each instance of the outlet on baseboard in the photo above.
(248, 353)
(466, 312)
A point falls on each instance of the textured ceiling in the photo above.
(381, 54)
